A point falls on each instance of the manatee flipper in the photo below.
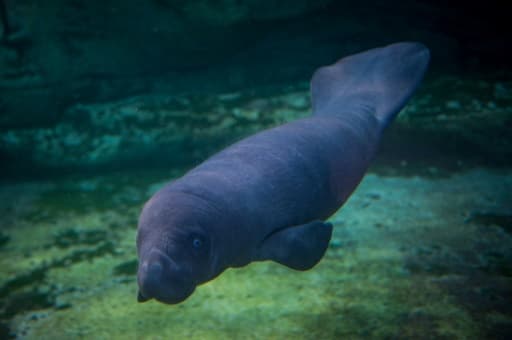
(299, 247)
(378, 82)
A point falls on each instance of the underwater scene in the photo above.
(372, 200)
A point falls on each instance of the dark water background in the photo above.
(101, 102)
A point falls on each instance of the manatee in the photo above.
(267, 197)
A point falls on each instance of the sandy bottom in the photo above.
(411, 257)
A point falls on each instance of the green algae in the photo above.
(74, 277)
(4, 239)
(264, 296)
(127, 268)
(93, 194)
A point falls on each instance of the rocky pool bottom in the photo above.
(453, 121)
(412, 257)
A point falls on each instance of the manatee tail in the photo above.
(379, 81)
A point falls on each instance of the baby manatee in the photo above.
(267, 196)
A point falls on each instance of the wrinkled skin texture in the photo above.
(181, 254)
(266, 197)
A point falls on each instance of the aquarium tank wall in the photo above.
(104, 102)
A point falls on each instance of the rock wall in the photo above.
(58, 52)
(90, 84)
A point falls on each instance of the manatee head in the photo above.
(175, 247)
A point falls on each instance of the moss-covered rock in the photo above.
(451, 123)
(154, 130)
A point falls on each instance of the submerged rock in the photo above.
(149, 130)
(58, 52)
(158, 130)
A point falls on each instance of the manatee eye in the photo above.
(197, 242)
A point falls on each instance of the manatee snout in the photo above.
(160, 278)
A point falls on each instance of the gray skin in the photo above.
(266, 197)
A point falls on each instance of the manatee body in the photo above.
(267, 197)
